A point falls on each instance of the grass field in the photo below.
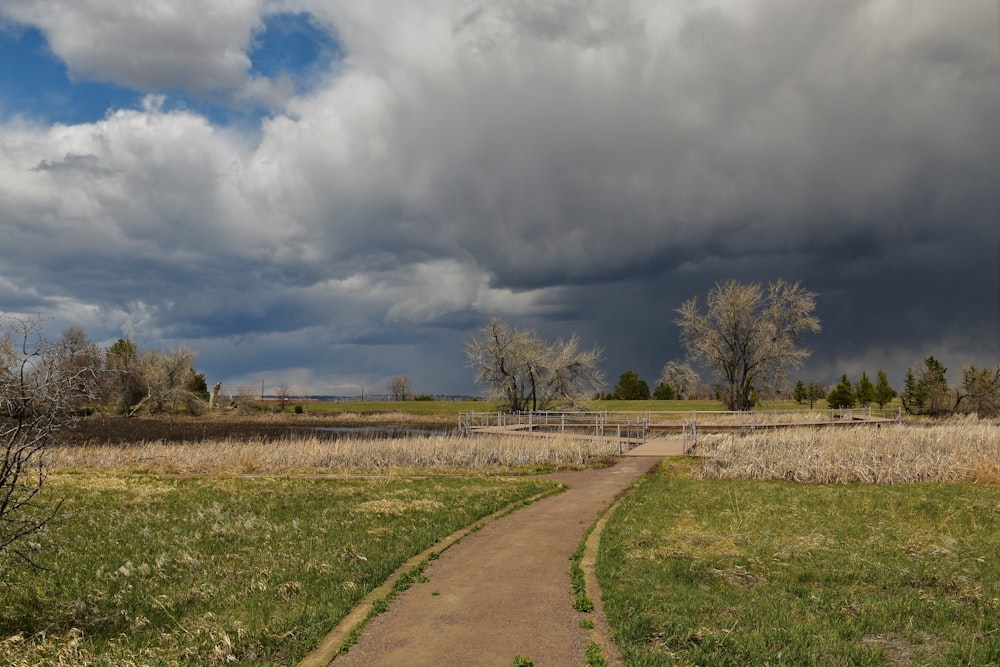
(700, 566)
(741, 572)
(154, 571)
(445, 408)
(452, 408)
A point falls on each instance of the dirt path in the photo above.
(503, 591)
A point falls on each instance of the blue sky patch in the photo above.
(293, 44)
(35, 84)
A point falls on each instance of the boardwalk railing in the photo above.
(633, 428)
(709, 421)
(603, 424)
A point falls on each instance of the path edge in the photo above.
(330, 646)
(601, 632)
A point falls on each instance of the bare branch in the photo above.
(747, 336)
(42, 387)
(522, 372)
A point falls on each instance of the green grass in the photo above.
(407, 407)
(189, 572)
(737, 572)
(656, 406)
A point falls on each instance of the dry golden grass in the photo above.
(477, 453)
(781, 417)
(958, 450)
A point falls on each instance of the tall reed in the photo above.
(477, 453)
(958, 450)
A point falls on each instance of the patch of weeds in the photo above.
(586, 624)
(522, 661)
(580, 600)
(595, 656)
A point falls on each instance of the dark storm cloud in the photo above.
(581, 166)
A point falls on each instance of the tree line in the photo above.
(128, 378)
(748, 336)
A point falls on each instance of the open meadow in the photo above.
(245, 539)
(860, 546)
(246, 551)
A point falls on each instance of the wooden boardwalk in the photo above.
(659, 447)
(665, 438)
(536, 432)
(708, 427)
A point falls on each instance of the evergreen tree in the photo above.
(927, 391)
(914, 393)
(800, 392)
(864, 390)
(664, 392)
(197, 385)
(814, 392)
(631, 387)
(843, 394)
(939, 399)
(883, 392)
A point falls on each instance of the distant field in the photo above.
(455, 407)
(451, 408)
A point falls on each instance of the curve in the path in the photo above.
(502, 591)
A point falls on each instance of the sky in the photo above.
(329, 193)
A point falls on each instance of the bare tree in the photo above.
(982, 391)
(123, 384)
(166, 376)
(567, 373)
(522, 372)
(246, 397)
(80, 357)
(40, 389)
(749, 336)
(284, 394)
(681, 378)
(400, 387)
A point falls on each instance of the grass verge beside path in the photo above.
(219, 570)
(736, 572)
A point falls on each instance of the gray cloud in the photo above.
(575, 166)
